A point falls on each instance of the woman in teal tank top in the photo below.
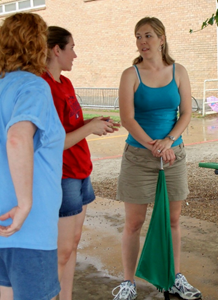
(155, 108)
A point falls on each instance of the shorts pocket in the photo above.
(180, 152)
(126, 148)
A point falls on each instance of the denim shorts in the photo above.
(76, 193)
(32, 274)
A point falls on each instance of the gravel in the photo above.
(202, 202)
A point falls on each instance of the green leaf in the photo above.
(204, 24)
(216, 17)
(211, 20)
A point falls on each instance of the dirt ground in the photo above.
(99, 267)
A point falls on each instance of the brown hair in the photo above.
(57, 36)
(23, 43)
(159, 29)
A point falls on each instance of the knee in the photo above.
(175, 211)
(76, 241)
(64, 254)
(134, 226)
(65, 251)
(174, 222)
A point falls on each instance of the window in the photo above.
(23, 4)
(38, 2)
(10, 7)
(17, 6)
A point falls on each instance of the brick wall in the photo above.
(103, 32)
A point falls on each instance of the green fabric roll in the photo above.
(210, 165)
(156, 263)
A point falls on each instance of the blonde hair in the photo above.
(23, 44)
(159, 29)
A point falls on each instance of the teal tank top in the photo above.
(156, 110)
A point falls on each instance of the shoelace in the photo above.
(131, 290)
(183, 281)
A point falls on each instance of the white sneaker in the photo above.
(127, 291)
(184, 289)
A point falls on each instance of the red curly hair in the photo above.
(23, 44)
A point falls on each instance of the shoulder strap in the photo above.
(137, 72)
(174, 71)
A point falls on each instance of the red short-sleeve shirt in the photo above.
(77, 159)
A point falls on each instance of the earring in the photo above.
(160, 48)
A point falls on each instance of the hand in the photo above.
(160, 146)
(113, 125)
(168, 156)
(101, 127)
(18, 215)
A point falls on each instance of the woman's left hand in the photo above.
(160, 146)
(169, 156)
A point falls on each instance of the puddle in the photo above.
(200, 130)
(99, 254)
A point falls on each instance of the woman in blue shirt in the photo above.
(31, 148)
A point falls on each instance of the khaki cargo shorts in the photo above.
(139, 172)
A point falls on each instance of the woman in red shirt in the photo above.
(77, 165)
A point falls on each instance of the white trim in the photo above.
(204, 112)
(137, 73)
(217, 41)
(32, 6)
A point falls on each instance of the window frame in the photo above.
(17, 9)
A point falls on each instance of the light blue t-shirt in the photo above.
(156, 110)
(27, 97)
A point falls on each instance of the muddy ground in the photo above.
(99, 267)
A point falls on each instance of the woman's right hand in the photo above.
(100, 127)
(18, 215)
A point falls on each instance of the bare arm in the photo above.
(96, 126)
(126, 103)
(20, 158)
(185, 108)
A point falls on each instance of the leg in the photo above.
(67, 278)
(68, 268)
(77, 194)
(6, 293)
(175, 210)
(181, 286)
(135, 217)
(66, 231)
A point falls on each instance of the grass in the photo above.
(90, 116)
(106, 112)
(92, 113)
(199, 115)
(100, 110)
